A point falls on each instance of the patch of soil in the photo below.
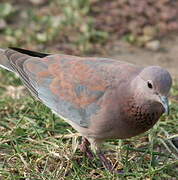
(130, 17)
(166, 56)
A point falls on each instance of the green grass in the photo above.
(36, 144)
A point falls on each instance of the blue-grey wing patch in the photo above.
(72, 100)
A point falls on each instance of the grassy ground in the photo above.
(34, 143)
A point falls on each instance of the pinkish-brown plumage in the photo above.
(101, 98)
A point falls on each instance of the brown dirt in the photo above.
(166, 57)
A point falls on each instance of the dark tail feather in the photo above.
(30, 53)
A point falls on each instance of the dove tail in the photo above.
(4, 56)
(30, 53)
(4, 62)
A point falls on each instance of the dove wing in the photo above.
(69, 85)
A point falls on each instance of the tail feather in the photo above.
(30, 53)
(4, 62)
(13, 60)
(5, 55)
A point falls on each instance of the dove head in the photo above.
(153, 84)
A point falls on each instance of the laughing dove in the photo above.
(101, 98)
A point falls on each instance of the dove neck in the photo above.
(137, 91)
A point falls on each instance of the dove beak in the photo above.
(165, 103)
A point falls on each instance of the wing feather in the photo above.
(64, 88)
(66, 84)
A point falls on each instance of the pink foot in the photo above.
(107, 164)
(84, 147)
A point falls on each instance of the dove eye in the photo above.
(149, 84)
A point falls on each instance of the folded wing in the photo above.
(68, 85)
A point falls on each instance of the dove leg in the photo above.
(84, 147)
(96, 146)
(106, 163)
